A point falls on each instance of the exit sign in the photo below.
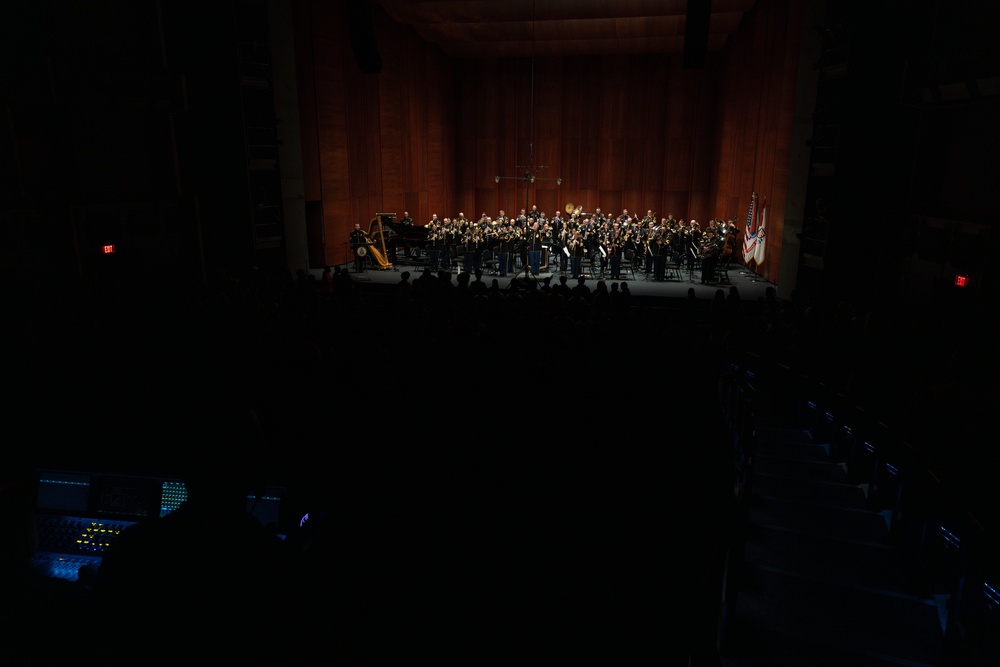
(108, 249)
(961, 281)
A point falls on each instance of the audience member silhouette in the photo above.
(208, 577)
(562, 288)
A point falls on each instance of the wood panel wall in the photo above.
(429, 134)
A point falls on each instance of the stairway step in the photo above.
(785, 619)
(806, 470)
(783, 434)
(809, 491)
(835, 561)
(802, 451)
(836, 522)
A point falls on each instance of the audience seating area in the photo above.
(845, 523)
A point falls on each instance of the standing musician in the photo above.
(468, 251)
(640, 234)
(671, 244)
(533, 244)
(662, 250)
(557, 222)
(548, 240)
(495, 225)
(560, 245)
(489, 233)
(630, 236)
(615, 244)
(729, 242)
(505, 236)
(710, 250)
(586, 229)
(603, 236)
(478, 245)
(653, 238)
(598, 217)
(577, 251)
(446, 232)
(682, 236)
(693, 245)
(522, 221)
(652, 247)
(434, 245)
(359, 246)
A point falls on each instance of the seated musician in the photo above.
(359, 246)
(406, 219)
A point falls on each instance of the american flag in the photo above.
(750, 238)
(761, 241)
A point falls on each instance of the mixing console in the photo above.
(67, 543)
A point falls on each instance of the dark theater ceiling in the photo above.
(517, 28)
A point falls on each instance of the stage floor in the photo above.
(677, 285)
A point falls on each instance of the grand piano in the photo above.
(389, 236)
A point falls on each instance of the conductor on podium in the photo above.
(359, 246)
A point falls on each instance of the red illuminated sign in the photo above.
(108, 249)
(961, 281)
